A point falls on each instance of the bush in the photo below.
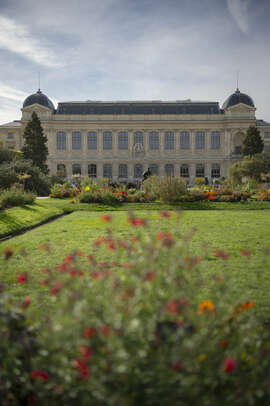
(152, 186)
(11, 172)
(16, 197)
(63, 191)
(172, 189)
(148, 327)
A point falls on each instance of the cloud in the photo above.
(11, 93)
(16, 37)
(238, 10)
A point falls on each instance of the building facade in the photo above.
(119, 140)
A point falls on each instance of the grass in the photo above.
(19, 219)
(229, 230)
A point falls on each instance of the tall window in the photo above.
(169, 140)
(107, 140)
(61, 140)
(123, 140)
(153, 140)
(215, 172)
(76, 140)
(92, 140)
(138, 138)
(92, 170)
(184, 140)
(184, 171)
(123, 171)
(154, 169)
(10, 136)
(76, 169)
(107, 171)
(266, 134)
(215, 140)
(61, 169)
(169, 169)
(200, 140)
(138, 171)
(200, 170)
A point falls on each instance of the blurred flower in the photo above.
(87, 188)
(82, 367)
(229, 364)
(8, 252)
(245, 253)
(105, 330)
(86, 352)
(26, 302)
(56, 288)
(136, 222)
(176, 366)
(224, 343)
(221, 254)
(173, 306)
(22, 278)
(165, 214)
(88, 332)
(106, 218)
(206, 305)
(150, 276)
(42, 375)
(201, 357)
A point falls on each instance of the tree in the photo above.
(253, 143)
(35, 147)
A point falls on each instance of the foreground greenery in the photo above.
(147, 313)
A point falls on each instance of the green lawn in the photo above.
(229, 230)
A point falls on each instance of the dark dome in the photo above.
(38, 98)
(236, 98)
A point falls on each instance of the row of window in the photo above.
(138, 170)
(138, 138)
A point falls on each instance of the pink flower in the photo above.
(229, 364)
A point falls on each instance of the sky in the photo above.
(134, 50)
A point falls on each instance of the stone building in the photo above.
(121, 139)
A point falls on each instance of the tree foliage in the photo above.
(35, 147)
(253, 143)
(251, 167)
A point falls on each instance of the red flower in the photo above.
(56, 288)
(73, 273)
(111, 246)
(82, 367)
(62, 267)
(173, 306)
(69, 258)
(88, 333)
(105, 330)
(90, 258)
(37, 374)
(86, 352)
(45, 270)
(136, 222)
(26, 302)
(98, 242)
(80, 253)
(95, 275)
(176, 366)
(150, 276)
(165, 214)
(245, 253)
(106, 218)
(221, 254)
(22, 278)
(45, 247)
(8, 252)
(229, 365)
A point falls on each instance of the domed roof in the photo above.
(38, 98)
(236, 98)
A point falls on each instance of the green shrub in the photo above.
(199, 181)
(148, 327)
(16, 197)
(172, 189)
(152, 186)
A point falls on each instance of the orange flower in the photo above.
(105, 217)
(206, 305)
(244, 306)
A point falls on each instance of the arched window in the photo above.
(200, 170)
(215, 140)
(92, 140)
(169, 140)
(61, 140)
(123, 171)
(76, 169)
(107, 140)
(138, 138)
(154, 169)
(184, 140)
(92, 170)
(61, 169)
(76, 140)
(122, 140)
(200, 140)
(215, 172)
(153, 140)
(169, 169)
(184, 171)
(138, 171)
(107, 171)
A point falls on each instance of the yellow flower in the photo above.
(201, 357)
(206, 305)
(87, 188)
